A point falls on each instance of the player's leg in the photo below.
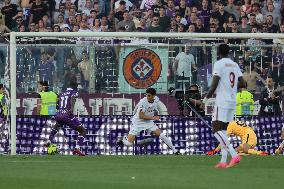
(165, 139)
(75, 124)
(128, 141)
(53, 132)
(279, 150)
(217, 130)
(250, 143)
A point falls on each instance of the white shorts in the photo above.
(222, 114)
(136, 128)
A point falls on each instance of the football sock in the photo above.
(126, 142)
(224, 142)
(282, 144)
(80, 141)
(254, 152)
(224, 154)
(168, 142)
(52, 134)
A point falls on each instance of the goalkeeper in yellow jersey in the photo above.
(247, 135)
(280, 149)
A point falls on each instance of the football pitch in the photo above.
(137, 172)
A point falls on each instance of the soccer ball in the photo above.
(52, 149)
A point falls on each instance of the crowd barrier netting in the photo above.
(190, 135)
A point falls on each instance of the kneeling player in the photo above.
(280, 149)
(247, 135)
(65, 116)
(144, 118)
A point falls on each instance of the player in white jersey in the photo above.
(227, 77)
(143, 119)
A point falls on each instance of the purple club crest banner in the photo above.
(141, 68)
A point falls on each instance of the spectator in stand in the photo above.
(127, 23)
(275, 15)
(164, 21)
(199, 26)
(270, 100)
(41, 26)
(278, 66)
(120, 11)
(38, 10)
(92, 18)
(183, 9)
(155, 27)
(271, 28)
(84, 67)
(246, 7)
(25, 4)
(171, 11)
(183, 66)
(252, 20)
(258, 16)
(84, 27)
(19, 22)
(142, 27)
(3, 28)
(205, 13)
(32, 27)
(147, 4)
(9, 11)
(173, 26)
(61, 11)
(231, 8)
(56, 28)
(228, 24)
(97, 26)
(221, 14)
(128, 5)
(244, 27)
(46, 69)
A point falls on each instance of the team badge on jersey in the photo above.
(142, 68)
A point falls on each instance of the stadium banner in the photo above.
(141, 68)
(101, 104)
(189, 135)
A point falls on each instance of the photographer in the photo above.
(192, 97)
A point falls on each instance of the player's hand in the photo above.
(156, 118)
(278, 151)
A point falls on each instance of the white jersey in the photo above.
(146, 107)
(229, 72)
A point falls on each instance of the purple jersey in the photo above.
(64, 115)
(65, 100)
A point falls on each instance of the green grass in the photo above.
(137, 172)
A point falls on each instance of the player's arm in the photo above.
(213, 87)
(143, 116)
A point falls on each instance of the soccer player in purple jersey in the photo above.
(64, 116)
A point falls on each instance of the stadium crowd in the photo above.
(211, 16)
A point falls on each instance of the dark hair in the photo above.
(73, 83)
(151, 91)
(1, 86)
(223, 49)
(44, 83)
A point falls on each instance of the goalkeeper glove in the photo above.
(212, 152)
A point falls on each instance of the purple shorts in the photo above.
(67, 119)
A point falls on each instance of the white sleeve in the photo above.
(177, 57)
(142, 6)
(217, 69)
(239, 72)
(141, 107)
